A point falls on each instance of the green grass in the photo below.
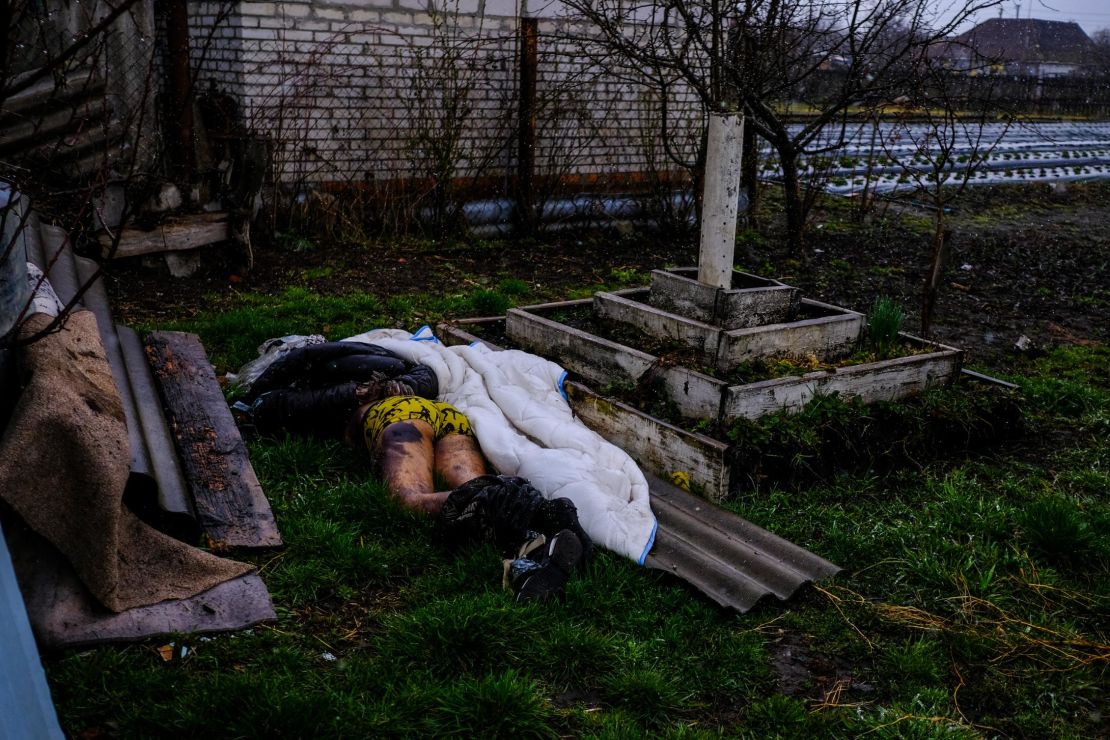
(884, 321)
(232, 334)
(973, 603)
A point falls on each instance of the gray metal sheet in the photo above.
(154, 460)
(96, 299)
(165, 465)
(727, 558)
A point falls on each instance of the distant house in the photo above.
(1020, 46)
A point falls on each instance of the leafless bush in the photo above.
(671, 143)
(950, 143)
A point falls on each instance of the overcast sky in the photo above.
(1091, 14)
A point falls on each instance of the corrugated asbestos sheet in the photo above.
(157, 490)
(729, 559)
(68, 125)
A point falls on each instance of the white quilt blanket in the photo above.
(515, 404)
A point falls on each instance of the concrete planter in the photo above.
(663, 448)
(752, 301)
(697, 395)
(826, 331)
(601, 361)
(882, 380)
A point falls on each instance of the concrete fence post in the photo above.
(719, 199)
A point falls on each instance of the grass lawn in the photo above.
(975, 600)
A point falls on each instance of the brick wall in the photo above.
(380, 90)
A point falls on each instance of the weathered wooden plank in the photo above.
(594, 358)
(231, 507)
(886, 380)
(64, 615)
(175, 234)
(660, 447)
(698, 336)
(828, 337)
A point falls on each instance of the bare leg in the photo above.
(459, 459)
(405, 454)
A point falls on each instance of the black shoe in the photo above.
(542, 575)
(561, 513)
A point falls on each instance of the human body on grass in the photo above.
(372, 398)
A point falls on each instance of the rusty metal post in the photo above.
(181, 145)
(526, 136)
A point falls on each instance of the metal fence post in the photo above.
(526, 137)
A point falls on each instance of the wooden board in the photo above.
(63, 614)
(659, 447)
(177, 233)
(231, 507)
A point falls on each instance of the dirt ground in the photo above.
(1024, 261)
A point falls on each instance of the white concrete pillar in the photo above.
(719, 199)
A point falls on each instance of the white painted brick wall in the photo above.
(351, 87)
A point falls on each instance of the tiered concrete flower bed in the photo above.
(688, 362)
(602, 361)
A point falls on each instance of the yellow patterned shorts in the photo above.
(443, 418)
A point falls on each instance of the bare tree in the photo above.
(814, 61)
(942, 143)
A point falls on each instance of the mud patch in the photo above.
(802, 672)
